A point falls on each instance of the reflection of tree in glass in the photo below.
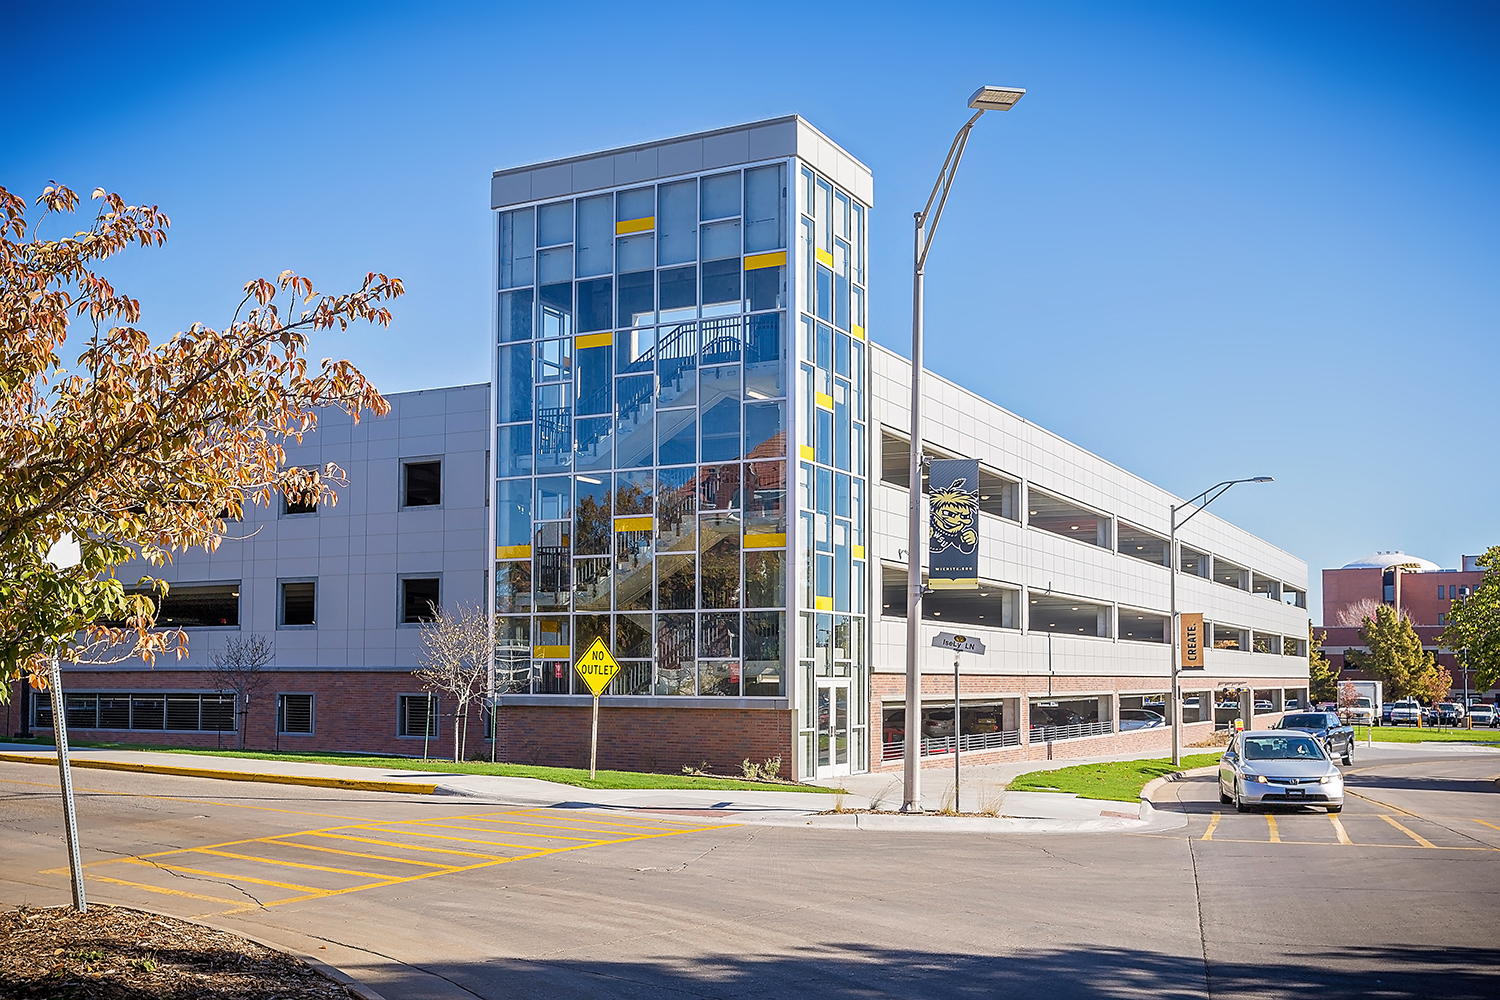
(591, 526)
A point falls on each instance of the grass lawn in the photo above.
(561, 775)
(1411, 734)
(1121, 781)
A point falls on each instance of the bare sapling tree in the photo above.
(241, 667)
(455, 660)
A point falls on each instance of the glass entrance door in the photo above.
(833, 728)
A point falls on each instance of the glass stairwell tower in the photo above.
(680, 454)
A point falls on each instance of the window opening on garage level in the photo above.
(983, 725)
(1144, 711)
(1067, 616)
(1194, 563)
(1064, 517)
(1141, 544)
(1265, 586)
(1231, 574)
(991, 605)
(1143, 626)
(1069, 718)
(1230, 637)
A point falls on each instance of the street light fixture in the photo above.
(1217, 491)
(925, 227)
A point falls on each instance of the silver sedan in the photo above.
(1265, 767)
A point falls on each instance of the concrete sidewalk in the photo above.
(981, 790)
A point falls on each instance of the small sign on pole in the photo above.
(959, 644)
(597, 666)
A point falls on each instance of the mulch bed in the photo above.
(113, 953)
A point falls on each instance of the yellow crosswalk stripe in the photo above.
(1338, 828)
(1414, 836)
(1271, 825)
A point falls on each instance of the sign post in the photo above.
(959, 644)
(597, 666)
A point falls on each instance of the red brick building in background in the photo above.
(1418, 588)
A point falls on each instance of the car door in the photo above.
(1227, 765)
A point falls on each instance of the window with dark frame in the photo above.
(413, 714)
(422, 484)
(418, 597)
(299, 603)
(290, 507)
(294, 714)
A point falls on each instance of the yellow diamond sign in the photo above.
(597, 667)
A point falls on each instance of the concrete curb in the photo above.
(349, 784)
(1155, 783)
(332, 972)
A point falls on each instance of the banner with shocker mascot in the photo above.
(953, 519)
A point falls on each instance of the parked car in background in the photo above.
(1406, 713)
(1140, 718)
(1337, 738)
(1385, 713)
(1292, 705)
(1450, 713)
(1262, 767)
(1484, 715)
(1264, 705)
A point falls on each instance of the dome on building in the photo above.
(1385, 560)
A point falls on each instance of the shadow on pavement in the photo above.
(851, 971)
(1421, 784)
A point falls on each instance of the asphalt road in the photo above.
(424, 897)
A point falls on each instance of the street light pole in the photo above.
(1175, 563)
(924, 228)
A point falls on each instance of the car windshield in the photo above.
(1314, 721)
(1282, 748)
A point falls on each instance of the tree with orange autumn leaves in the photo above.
(140, 450)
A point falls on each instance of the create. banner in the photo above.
(953, 522)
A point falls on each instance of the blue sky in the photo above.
(1213, 241)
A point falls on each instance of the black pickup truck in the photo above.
(1337, 737)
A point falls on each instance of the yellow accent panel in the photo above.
(634, 523)
(756, 261)
(824, 400)
(593, 340)
(859, 551)
(968, 583)
(806, 451)
(635, 225)
(766, 541)
(859, 332)
(825, 258)
(552, 652)
(513, 552)
(822, 604)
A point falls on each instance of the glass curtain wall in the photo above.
(830, 453)
(643, 360)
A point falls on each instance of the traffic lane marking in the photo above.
(1338, 828)
(1275, 835)
(1213, 824)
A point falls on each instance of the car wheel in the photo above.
(1224, 800)
(1239, 804)
(1335, 809)
(1349, 753)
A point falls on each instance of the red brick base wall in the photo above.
(356, 711)
(660, 740)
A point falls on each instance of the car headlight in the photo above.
(1325, 779)
(1261, 779)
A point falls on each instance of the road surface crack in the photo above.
(181, 875)
(392, 958)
